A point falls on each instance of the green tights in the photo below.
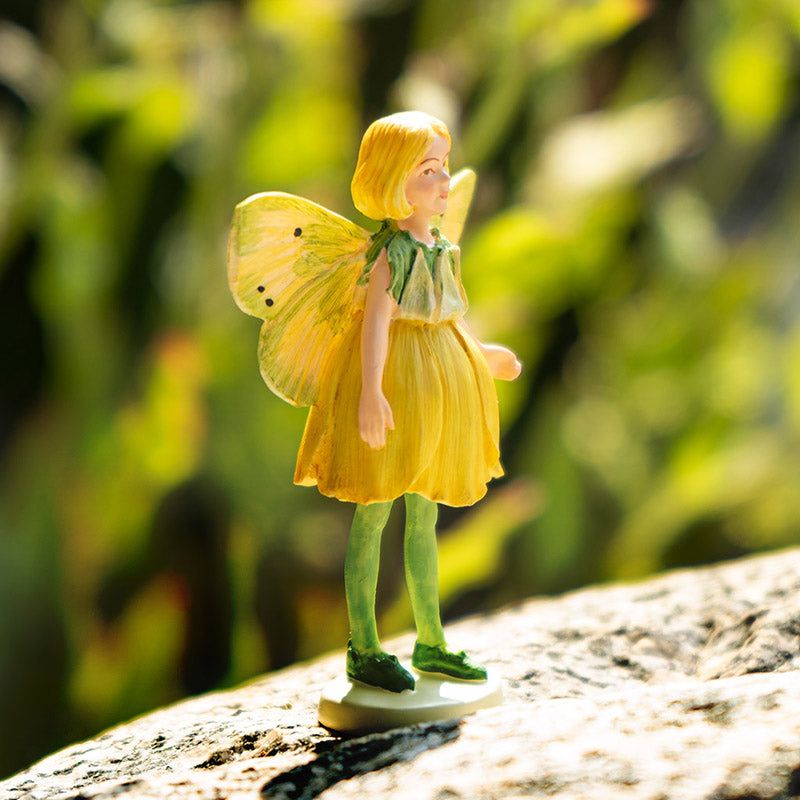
(421, 566)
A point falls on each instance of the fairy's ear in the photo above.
(462, 187)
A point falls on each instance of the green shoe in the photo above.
(439, 660)
(378, 669)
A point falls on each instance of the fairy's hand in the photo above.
(503, 364)
(374, 416)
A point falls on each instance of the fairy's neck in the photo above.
(419, 226)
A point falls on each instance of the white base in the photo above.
(350, 706)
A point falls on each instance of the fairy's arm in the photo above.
(374, 412)
(503, 364)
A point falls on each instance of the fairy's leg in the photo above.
(361, 573)
(422, 575)
(366, 662)
(422, 567)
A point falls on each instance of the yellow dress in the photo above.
(436, 380)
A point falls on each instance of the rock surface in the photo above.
(685, 685)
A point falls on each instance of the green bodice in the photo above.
(425, 280)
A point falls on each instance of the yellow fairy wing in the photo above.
(294, 264)
(462, 187)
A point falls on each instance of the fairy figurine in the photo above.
(368, 330)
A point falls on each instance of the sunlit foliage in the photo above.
(633, 238)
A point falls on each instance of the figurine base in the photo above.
(353, 707)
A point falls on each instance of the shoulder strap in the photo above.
(400, 253)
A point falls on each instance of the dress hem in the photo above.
(347, 497)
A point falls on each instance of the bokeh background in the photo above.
(634, 238)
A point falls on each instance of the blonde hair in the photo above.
(390, 150)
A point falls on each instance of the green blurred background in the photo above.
(633, 238)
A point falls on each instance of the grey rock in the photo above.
(684, 685)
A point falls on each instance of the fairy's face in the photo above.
(429, 182)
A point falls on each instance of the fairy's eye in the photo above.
(425, 172)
